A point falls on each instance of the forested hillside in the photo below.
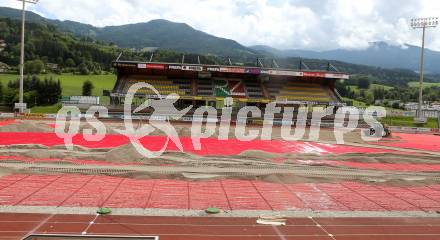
(46, 43)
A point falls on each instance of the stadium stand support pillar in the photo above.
(438, 119)
(263, 88)
(114, 100)
(193, 87)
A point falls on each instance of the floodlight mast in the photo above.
(23, 17)
(422, 23)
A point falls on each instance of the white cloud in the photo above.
(311, 24)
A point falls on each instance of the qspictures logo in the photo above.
(205, 120)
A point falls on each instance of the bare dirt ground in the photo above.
(246, 165)
(183, 129)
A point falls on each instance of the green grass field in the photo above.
(425, 84)
(72, 84)
(371, 88)
(356, 103)
(46, 109)
(409, 122)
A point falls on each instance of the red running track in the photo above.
(15, 226)
(6, 122)
(210, 146)
(97, 191)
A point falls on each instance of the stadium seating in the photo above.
(205, 87)
(304, 92)
(278, 89)
(163, 86)
(299, 91)
(253, 89)
(273, 87)
(184, 85)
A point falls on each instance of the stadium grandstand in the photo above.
(209, 85)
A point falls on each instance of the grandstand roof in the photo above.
(230, 69)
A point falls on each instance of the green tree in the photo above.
(51, 93)
(34, 67)
(31, 98)
(379, 93)
(363, 83)
(83, 69)
(36, 92)
(87, 88)
(362, 93)
(60, 61)
(369, 98)
(10, 96)
(1, 92)
(97, 69)
(70, 63)
(45, 59)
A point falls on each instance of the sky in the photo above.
(284, 24)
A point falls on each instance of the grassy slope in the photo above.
(425, 84)
(72, 84)
(372, 86)
(409, 122)
(46, 109)
(369, 90)
(356, 103)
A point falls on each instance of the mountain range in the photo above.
(153, 34)
(163, 34)
(378, 54)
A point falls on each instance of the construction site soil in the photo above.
(30, 146)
